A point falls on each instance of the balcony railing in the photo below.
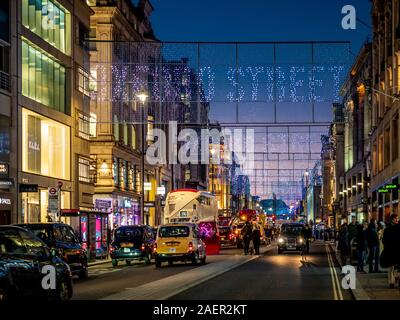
(4, 81)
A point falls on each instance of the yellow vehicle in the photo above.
(179, 242)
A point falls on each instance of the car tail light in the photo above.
(190, 246)
(112, 249)
(142, 247)
(155, 247)
(230, 236)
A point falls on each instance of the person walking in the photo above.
(343, 243)
(246, 234)
(381, 230)
(306, 234)
(361, 245)
(390, 256)
(373, 247)
(256, 234)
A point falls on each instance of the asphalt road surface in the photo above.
(270, 276)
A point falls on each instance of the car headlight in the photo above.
(301, 240)
(280, 240)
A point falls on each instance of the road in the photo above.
(230, 275)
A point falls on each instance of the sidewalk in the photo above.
(372, 286)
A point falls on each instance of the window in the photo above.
(395, 138)
(116, 171)
(93, 125)
(33, 245)
(386, 156)
(150, 127)
(126, 138)
(5, 20)
(45, 146)
(133, 137)
(50, 21)
(43, 79)
(83, 35)
(380, 153)
(83, 126)
(11, 242)
(116, 128)
(84, 169)
(126, 175)
(374, 159)
(83, 81)
(4, 68)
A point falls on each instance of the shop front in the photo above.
(6, 201)
(121, 211)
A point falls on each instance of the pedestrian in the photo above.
(361, 246)
(373, 246)
(256, 234)
(246, 236)
(306, 234)
(390, 257)
(343, 243)
(381, 229)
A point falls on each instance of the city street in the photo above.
(267, 276)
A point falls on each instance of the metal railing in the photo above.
(4, 81)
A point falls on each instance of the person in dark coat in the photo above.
(246, 234)
(343, 243)
(256, 234)
(390, 256)
(361, 245)
(373, 246)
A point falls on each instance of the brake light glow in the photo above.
(190, 246)
(142, 247)
(155, 247)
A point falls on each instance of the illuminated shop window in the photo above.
(50, 21)
(84, 169)
(43, 79)
(83, 81)
(83, 126)
(45, 146)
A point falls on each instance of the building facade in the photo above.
(385, 88)
(43, 140)
(357, 127)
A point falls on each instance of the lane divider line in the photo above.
(335, 279)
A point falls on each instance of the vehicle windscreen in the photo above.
(291, 229)
(224, 230)
(173, 231)
(128, 234)
(43, 233)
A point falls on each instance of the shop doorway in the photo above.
(5, 217)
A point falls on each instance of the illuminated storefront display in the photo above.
(121, 210)
(43, 79)
(50, 21)
(45, 146)
(34, 205)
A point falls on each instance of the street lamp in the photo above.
(213, 151)
(142, 96)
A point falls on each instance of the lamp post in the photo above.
(212, 169)
(142, 96)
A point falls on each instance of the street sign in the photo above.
(6, 183)
(161, 191)
(149, 204)
(52, 205)
(23, 187)
(147, 186)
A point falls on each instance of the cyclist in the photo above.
(306, 235)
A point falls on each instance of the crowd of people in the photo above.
(375, 243)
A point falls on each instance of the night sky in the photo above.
(258, 20)
(267, 20)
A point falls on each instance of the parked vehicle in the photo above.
(179, 242)
(61, 237)
(22, 259)
(131, 243)
(227, 236)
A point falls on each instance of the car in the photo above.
(61, 237)
(132, 242)
(179, 242)
(227, 235)
(23, 257)
(290, 237)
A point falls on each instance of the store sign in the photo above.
(6, 183)
(23, 187)
(52, 200)
(161, 191)
(391, 186)
(147, 186)
(149, 204)
(383, 190)
(4, 169)
(5, 201)
(102, 204)
(127, 203)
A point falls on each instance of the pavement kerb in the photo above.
(359, 293)
(95, 263)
